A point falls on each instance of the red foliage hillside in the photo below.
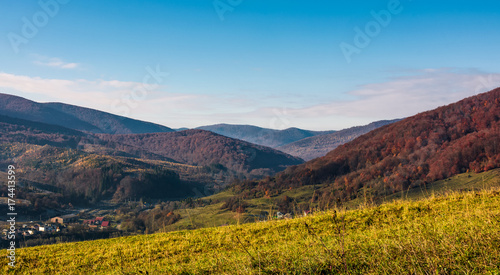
(429, 146)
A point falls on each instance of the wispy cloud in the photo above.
(103, 95)
(54, 62)
(398, 97)
(94, 94)
(406, 95)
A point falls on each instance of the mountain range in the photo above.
(66, 148)
(297, 142)
(319, 145)
(263, 136)
(58, 167)
(301, 143)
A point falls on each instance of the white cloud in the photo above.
(53, 62)
(405, 96)
(398, 97)
(112, 96)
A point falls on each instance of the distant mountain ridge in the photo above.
(297, 142)
(74, 117)
(262, 136)
(318, 146)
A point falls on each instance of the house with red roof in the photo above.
(99, 221)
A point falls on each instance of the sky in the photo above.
(318, 65)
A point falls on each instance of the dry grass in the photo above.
(454, 234)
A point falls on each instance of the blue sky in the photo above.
(274, 64)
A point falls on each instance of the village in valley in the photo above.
(105, 221)
(69, 224)
(60, 224)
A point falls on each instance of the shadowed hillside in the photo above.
(80, 177)
(74, 117)
(25, 131)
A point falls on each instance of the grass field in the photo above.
(213, 215)
(453, 233)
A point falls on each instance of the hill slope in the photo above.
(298, 200)
(220, 158)
(81, 177)
(16, 130)
(413, 152)
(443, 235)
(199, 147)
(262, 136)
(317, 146)
(80, 163)
(74, 117)
(25, 131)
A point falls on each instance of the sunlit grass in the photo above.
(458, 233)
(209, 216)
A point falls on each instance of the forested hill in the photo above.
(426, 147)
(199, 147)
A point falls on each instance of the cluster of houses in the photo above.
(57, 224)
(36, 228)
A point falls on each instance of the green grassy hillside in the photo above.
(455, 233)
(213, 215)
